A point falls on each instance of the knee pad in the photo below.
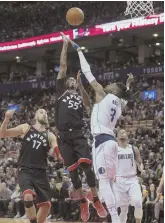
(46, 204)
(89, 174)
(28, 204)
(75, 179)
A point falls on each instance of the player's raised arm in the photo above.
(88, 74)
(130, 80)
(87, 71)
(60, 82)
(63, 59)
(12, 132)
(84, 94)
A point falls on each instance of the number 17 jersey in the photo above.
(34, 151)
(105, 115)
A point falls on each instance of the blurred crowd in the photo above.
(143, 120)
(99, 68)
(26, 19)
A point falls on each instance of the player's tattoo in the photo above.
(63, 61)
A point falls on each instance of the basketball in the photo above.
(75, 16)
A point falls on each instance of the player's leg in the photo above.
(135, 199)
(121, 191)
(84, 204)
(24, 180)
(70, 161)
(85, 161)
(42, 188)
(105, 161)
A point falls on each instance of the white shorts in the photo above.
(128, 191)
(105, 159)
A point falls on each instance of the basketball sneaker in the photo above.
(102, 213)
(84, 208)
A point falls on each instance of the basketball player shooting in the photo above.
(71, 141)
(127, 186)
(106, 111)
(37, 142)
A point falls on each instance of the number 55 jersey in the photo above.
(69, 109)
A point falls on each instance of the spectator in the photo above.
(149, 204)
(158, 208)
(5, 198)
(60, 196)
(147, 173)
(16, 201)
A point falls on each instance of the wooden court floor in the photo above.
(8, 220)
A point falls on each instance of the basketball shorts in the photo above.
(104, 155)
(128, 191)
(34, 182)
(74, 149)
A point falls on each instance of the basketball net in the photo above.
(139, 8)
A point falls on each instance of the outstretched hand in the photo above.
(9, 114)
(65, 38)
(130, 78)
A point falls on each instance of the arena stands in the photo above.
(27, 19)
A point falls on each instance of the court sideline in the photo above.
(8, 220)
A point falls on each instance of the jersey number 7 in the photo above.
(113, 113)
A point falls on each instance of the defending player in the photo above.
(37, 142)
(72, 143)
(127, 187)
(106, 111)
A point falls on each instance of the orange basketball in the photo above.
(75, 16)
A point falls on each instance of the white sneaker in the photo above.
(24, 217)
(17, 216)
(49, 217)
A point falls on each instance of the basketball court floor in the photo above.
(8, 220)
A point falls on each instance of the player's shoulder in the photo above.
(112, 97)
(25, 127)
(51, 135)
(119, 148)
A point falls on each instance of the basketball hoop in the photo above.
(139, 8)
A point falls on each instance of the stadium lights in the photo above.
(157, 44)
(155, 35)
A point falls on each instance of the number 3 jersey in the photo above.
(34, 151)
(69, 110)
(105, 115)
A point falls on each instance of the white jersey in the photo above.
(126, 162)
(105, 115)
